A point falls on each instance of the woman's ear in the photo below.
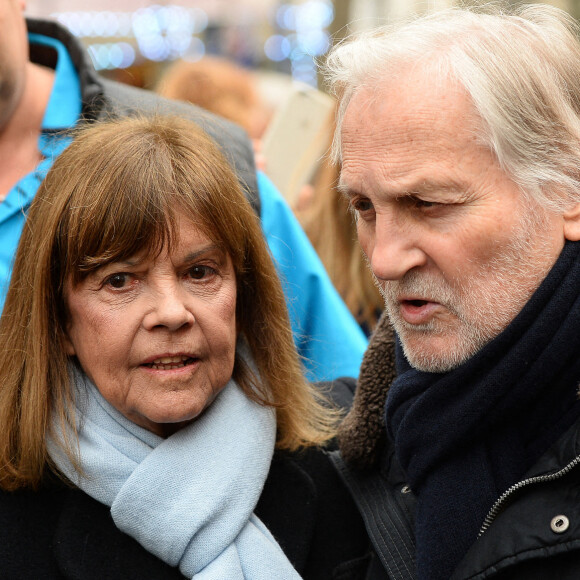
(572, 223)
(69, 348)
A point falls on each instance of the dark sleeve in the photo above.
(340, 391)
(310, 513)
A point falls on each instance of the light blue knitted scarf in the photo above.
(188, 499)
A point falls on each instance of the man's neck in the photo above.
(19, 154)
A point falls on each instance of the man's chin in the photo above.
(438, 346)
(434, 354)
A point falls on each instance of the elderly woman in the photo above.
(155, 419)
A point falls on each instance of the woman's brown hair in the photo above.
(115, 192)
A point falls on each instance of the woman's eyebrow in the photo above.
(205, 250)
(122, 263)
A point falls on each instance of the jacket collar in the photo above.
(362, 434)
(91, 85)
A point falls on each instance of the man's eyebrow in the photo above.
(421, 186)
(429, 186)
(345, 190)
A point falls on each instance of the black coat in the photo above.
(62, 533)
(536, 533)
(531, 534)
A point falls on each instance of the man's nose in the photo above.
(394, 250)
(170, 308)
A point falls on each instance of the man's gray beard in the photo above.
(484, 305)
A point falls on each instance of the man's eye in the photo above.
(362, 205)
(119, 280)
(423, 203)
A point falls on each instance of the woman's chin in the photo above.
(167, 422)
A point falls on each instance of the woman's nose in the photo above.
(169, 309)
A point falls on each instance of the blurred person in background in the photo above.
(220, 86)
(156, 420)
(47, 85)
(328, 222)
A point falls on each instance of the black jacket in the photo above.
(61, 533)
(536, 532)
(533, 533)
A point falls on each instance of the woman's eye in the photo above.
(200, 272)
(117, 280)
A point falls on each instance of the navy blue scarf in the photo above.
(465, 436)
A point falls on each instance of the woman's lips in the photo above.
(171, 363)
(418, 311)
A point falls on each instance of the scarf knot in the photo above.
(188, 499)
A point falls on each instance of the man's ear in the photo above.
(572, 223)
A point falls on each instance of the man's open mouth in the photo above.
(416, 303)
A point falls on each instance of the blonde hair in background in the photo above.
(113, 193)
(331, 228)
(519, 65)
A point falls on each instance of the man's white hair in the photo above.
(519, 66)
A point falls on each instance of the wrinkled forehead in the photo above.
(412, 95)
(386, 125)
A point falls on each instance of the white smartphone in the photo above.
(297, 137)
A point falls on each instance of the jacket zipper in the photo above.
(502, 500)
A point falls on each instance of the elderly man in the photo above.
(459, 138)
(47, 85)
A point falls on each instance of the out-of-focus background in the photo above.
(254, 62)
(133, 40)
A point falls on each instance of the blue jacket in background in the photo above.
(325, 332)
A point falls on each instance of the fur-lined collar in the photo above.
(361, 435)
